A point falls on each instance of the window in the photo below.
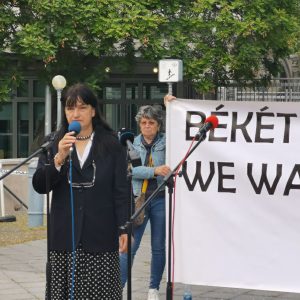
(131, 91)
(38, 89)
(112, 115)
(6, 130)
(23, 129)
(23, 89)
(38, 119)
(38, 126)
(111, 92)
(154, 91)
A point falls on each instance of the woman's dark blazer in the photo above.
(99, 210)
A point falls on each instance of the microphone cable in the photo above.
(73, 230)
(211, 122)
(76, 127)
(173, 208)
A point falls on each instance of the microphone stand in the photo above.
(129, 225)
(169, 182)
(43, 148)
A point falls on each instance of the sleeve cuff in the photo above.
(122, 230)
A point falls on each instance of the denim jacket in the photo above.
(140, 173)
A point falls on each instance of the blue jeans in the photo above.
(155, 212)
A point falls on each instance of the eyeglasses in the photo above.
(148, 122)
(80, 185)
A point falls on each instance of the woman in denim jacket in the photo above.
(150, 141)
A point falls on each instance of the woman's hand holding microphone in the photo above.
(64, 148)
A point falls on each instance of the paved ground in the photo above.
(22, 276)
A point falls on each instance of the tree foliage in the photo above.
(218, 41)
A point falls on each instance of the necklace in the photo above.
(82, 138)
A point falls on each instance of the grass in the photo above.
(19, 232)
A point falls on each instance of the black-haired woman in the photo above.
(99, 191)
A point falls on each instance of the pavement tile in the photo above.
(8, 285)
(252, 297)
(11, 291)
(35, 284)
(20, 297)
(288, 296)
(22, 276)
(265, 293)
(219, 295)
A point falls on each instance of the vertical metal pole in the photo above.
(170, 88)
(129, 226)
(48, 265)
(48, 125)
(169, 290)
(2, 205)
(235, 94)
(58, 118)
(129, 260)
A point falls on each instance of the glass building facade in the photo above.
(22, 118)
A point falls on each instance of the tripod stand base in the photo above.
(8, 219)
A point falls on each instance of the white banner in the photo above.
(237, 209)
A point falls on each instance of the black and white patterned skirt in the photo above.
(97, 275)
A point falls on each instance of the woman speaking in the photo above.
(84, 254)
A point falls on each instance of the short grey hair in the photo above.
(151, 112)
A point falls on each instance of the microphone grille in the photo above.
(124, 135)
(74, 126)
(213, 120)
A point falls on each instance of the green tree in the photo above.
(71, 37)
(218, 41)
(225, 40)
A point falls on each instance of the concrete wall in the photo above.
(17, 182)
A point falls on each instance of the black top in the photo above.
(99, 210)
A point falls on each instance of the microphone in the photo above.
(76, 127)
(211, 122)
(126, 138)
